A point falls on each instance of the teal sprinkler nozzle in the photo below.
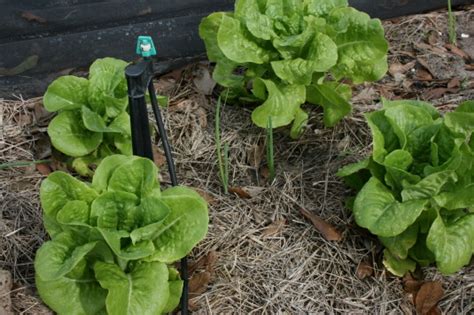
(140, 80)
(145, 47)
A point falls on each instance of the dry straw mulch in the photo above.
(267, 258)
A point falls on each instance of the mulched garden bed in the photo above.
(262, 254)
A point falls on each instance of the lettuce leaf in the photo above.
(144, 290)
(88, 111)
(66, 93)
(452, 244)
(422, 207)
(281, 105)
(111, 240)
(297, 45)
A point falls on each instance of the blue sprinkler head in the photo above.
(145, 46)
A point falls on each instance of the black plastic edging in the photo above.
(85, 30)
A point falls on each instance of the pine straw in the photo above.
(21, 227)
(293, 271)
(20, 224)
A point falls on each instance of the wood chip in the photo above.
(211, 260)
(428, 297)
(43, 169)
(398, 68)
(275, 228)
(457, 51)
(158, 156)
(410, 284)
(454, 83)
(424, 63)
(438, 93)
(247, 192)
(407, 53)
(364, 270)
(206, 262)
(423, 75)
(239, 191)
(198, 283)
(328, 231)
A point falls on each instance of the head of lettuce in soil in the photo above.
(92, 120)
(282, 53)
(113, 241)
(417, 191)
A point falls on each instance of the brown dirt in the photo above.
(293, 269)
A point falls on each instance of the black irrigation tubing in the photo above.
(163, 135)
(174, 182)
(139, 79)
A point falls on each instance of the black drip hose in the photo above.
(174, 182)
(163, 135)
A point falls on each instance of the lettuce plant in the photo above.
(287, 52)
(113, 241)
(417, 189)
(92, 120)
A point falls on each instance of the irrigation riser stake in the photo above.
(140, 80)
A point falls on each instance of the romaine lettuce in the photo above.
(112, 241)
(283, 53)
(418, 197)
(92, 120)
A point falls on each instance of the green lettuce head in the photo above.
(92, 120)
(288, 52)
(417, 191)
(113, 240)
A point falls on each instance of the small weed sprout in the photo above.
(222, 157)
(270, 157)
(451, 24)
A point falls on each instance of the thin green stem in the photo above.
(22, 163)
(270, 157)
(226, 167)
(222, 159)
(451, 24)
